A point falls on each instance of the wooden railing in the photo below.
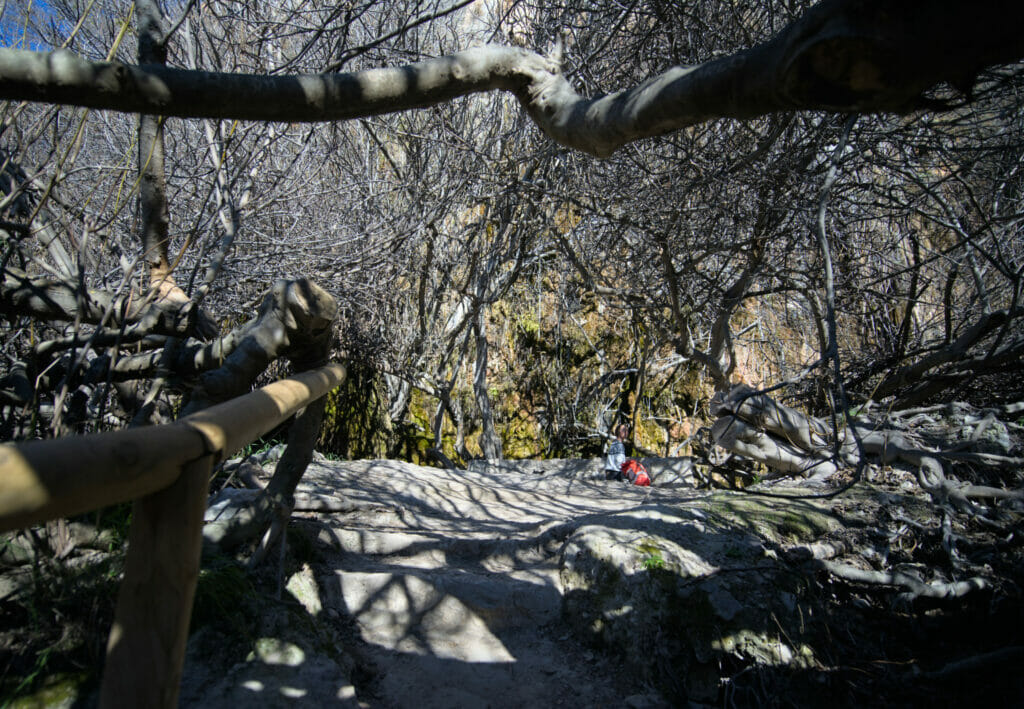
(166, 470)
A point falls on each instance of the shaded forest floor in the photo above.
(512, 586)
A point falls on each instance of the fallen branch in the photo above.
(736, 436)
(760, 410)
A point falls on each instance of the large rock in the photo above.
(685, 592)
(272, 654)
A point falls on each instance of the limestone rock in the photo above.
(681, 591)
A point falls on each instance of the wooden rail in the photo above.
(166, 470)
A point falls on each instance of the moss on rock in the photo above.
(776, 519)
(716, 597)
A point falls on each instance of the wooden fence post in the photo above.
(146, 647)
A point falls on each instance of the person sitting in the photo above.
(618, 467)
(616, 454)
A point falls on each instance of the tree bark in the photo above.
(253, 518)
(152, 182)
(490, 443)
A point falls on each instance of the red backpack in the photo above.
(636, 473)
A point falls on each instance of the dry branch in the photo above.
(58, 300)
(955, 351)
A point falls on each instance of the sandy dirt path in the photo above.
(448, 585)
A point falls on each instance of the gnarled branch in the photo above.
(847, 55)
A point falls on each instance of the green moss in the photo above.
(521, 438)
(649, 546)
(356, 422)
(62, 690)
(649, 433)
(778, 520)
(528, 325)
(222, 594)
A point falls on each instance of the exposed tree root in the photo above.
(752, 425)
(916, 588)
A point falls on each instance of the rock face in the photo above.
(681, 591)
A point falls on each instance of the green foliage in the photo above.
(652, 559)
(117, 519)
(260, 445)
(61, 689)
(652, 562)
(52, 627)
(33, 675)
(411, 443)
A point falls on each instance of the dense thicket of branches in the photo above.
(822, 201)
(522, 291)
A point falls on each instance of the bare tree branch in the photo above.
(849, 55)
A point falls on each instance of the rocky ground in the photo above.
(543, 584)
(443, 590)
